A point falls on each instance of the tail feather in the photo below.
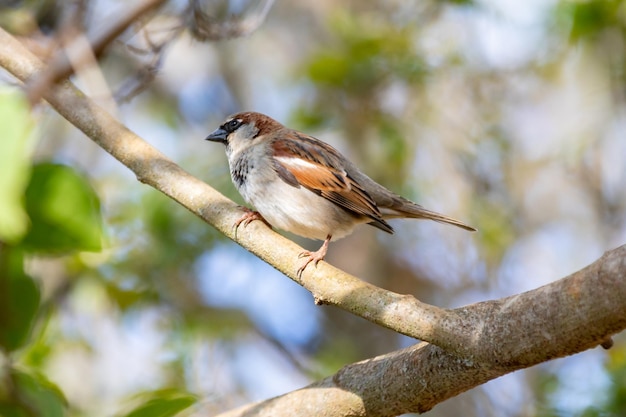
(408, 209)
(393, 206)
(431, 215)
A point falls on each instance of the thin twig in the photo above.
(205, 27)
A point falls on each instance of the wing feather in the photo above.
(302, 160)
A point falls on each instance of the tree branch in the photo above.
(560, 319)
(328, 285)
(470, 345)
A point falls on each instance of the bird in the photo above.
(300, 184)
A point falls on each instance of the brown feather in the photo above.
(403, 208)
(297, 159)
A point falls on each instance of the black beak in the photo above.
(219, 135)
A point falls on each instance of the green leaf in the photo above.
(586, 20)
(64, 211)
(35, 395)
(163, 403)
(15, 149)
(11, 410)
(19, 300)
(591, 17)
(329, 69)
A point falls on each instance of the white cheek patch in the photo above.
(242, 138)
(247, 131)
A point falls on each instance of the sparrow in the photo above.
(303, 185)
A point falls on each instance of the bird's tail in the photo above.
(427, 214)
(415, 211)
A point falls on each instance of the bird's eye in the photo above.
(233, 125)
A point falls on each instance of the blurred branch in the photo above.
(469, 345)
(204, 26)
(60, 67)
(143, 79)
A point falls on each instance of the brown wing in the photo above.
(302, 160)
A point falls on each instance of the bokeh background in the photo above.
(510, 116)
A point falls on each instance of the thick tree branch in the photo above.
(559, 319)
(469, 345)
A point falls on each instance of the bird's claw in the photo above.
(314, 257)
(247, 217)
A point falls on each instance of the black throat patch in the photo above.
(240, 169)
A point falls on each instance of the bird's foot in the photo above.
(247, 217)
(314, 257)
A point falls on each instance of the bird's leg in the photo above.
(314, 257)
(249, 216)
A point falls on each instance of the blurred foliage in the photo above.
(19, 299)
(25, 17)
(64, 211)
(162, 403)
(91, 262)
(614, 403)
(365, 55)
(15, 149)
(351, 75)
(26, 394)
(601, 25)
(63, 217)
(590, 19)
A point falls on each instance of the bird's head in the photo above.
(243, 130)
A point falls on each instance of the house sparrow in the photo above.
(305, 186)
